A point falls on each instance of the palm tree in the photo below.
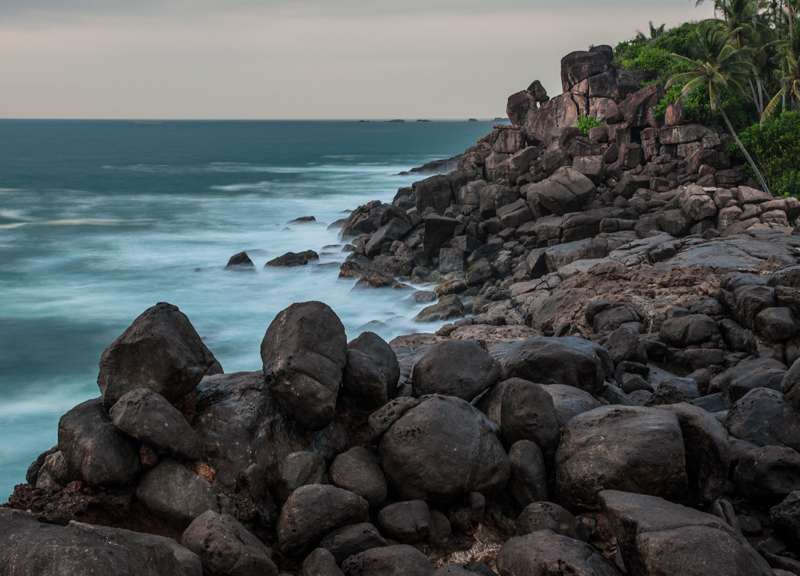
(655, 33)
(788, 74)
(717, 65)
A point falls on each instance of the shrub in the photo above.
(587, 123)
(697, 107)
(775, 148)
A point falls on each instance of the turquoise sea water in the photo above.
(101, 219)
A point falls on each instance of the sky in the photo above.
(299, 59)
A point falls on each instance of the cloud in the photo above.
(307, 59)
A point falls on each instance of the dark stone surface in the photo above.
(399, 560)
(528, 413)
(544, 553)
(407, 522)
(358, 470)
(349, 540)
(767, 475)
(459, 368)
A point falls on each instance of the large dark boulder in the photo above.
(518, 107)
(637, 109)
(747, 375)
(686, 330)
(441, 449)
(406, 522)
(629, 448)
(572, 361)
(438, 231)
(767, 475)
(358, 470)
(539, 516)
(765, 418)
(31, 548)
(349, 540)
(459, 368)
(570, 401)
(161, 350)
(313, 511)
(93, 446)
(528, 474)
(148, 416)
(298, 469)
(545, 553)
(226, 548)
(708, 452)
(372, 371)
(177, 495)
(304, 353)
(580, 65)
(527, 413)
(400, 560)
(435, 192)
(240, 263)
(658, 537)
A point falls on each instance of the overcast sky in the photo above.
(298, 59)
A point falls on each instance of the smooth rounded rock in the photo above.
(358, 470)
(399, 560)
(406, 522)
(546, 553)
(528, 413)
(349, 540)
(539, 516)
(766, 418)
(459, 368)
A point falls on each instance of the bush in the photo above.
(697, 107)
(587, 123)
(775, 148)
(651, 59)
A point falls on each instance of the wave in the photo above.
(82, 222)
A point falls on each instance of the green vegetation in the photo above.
(775, 146)
(587, 123)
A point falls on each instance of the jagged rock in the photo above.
(540, 516)
(637, 109)
(351, 540)
(31, 548)
(626, 447)
(93, 446)
(358, 470)
(419, 466)
(459, 368)
(400, 560)
(447, 308)
(313, 511)
(226, 548)
(375, 278)
(658, 537)
(544, 552)
(240, 263)
(161, 350)
(291, 259)
(438, 231)
(407, 522)
(148, 416)
(177, 495)
(304, 353)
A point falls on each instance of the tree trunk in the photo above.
(739, 143)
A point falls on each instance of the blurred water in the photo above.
(100, 220)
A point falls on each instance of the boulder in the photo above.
(313, 511)
(459, 368)
(629, 448)
(443, 448)
(683, 331)
(173, 493)
(435, 192)
(623, 344)
(580, 65)
(528, 474)
(304, 353)
(767, 475)
(637, 109)
(226, 548)
(400, 560)
(447, 308)
(32, 548)
(92, 445)
(298, 469)
(528, 413)
(374, 277)
(382, 419)
(454, 569)
(540, 516)
(658, 537)
(358, 470)
(371, 372)
(570, 401)
(571, 361)
(494, 197)
(747, 375)
(148, 416)
(785, 519)
(407, 522)
(545, 553)
(290, 260)
(776, 324)
(321, 563)
(240, 263)
(350, 540)
(518, 107)
(161, 350)
(765, 418)
(438, 231)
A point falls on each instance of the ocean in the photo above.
(100, 220)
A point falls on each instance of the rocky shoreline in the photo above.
(618, 391)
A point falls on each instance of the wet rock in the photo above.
(528, 413)
(93, 446)
(161, 350)
(765, 418)
(550, 516)
(767, 475)
(708, 454)
(304, 353)
(447, 308)
(351, 540)
(544, 552)
(321, 563)
(373, 277)
(240, 263)
(358, 470)
(459, 368)
(407, 522)
(31, 548)
(658, 537)
(572, 361)
(173, 493)
(528, 475)
(631, 448)
(443, 448)
(148, 416)
(226, 548)
(400, 560)
(311, 512)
